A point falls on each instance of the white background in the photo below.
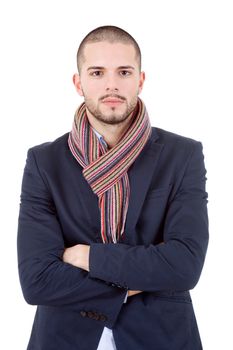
(187, 55)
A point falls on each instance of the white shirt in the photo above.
(106, 341)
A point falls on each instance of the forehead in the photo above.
(109, 54)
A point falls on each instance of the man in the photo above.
(113, 226)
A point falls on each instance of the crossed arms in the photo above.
(78, 256)
(51, 274)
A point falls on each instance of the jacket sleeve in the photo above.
(177, 263)
(45, 279)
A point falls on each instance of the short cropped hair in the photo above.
(110, 34)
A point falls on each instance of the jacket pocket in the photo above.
(176, 297)
(159, 192)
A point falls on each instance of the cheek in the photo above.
(130, 85)
(92, 88)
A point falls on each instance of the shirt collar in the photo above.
(100, 137)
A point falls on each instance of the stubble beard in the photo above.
(113, 117)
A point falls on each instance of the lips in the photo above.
(112, 100)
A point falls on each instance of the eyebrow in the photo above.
(121, 67)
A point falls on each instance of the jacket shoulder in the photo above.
(50, 146)
(175, 142)
(166, 137)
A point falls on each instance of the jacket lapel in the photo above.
(140, 176)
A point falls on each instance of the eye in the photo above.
(96, 73)
(125, 73)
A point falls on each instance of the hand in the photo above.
(78, 256)
(133, 292)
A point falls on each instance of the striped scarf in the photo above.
(105, 169)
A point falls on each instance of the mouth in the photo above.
(112, 101)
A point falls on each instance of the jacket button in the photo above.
(96, 316)
(91, 314)
(83, 313)
(102, 318)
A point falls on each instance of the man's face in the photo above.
(110, 81)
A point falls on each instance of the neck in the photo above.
(111, 133)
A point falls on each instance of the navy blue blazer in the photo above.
(161, 252)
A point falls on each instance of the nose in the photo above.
(111, 83)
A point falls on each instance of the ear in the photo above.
(77, 84)
(141, 81)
